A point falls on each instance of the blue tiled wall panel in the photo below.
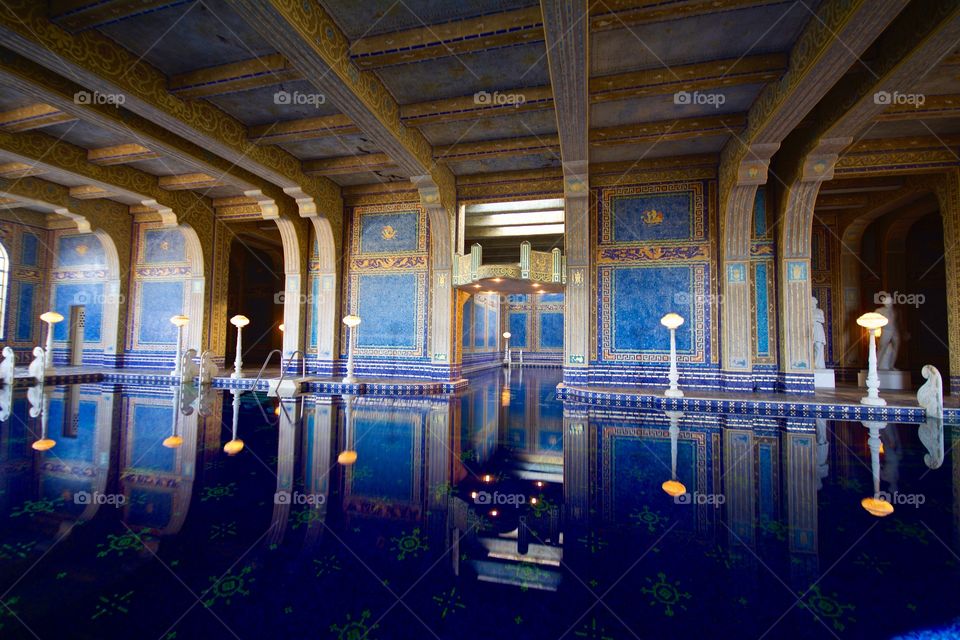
(492, 328)
(29, 253)
(389, 232)
(466, 321)
(551, 330)
(388, 307)
(518, 329)
(25, 315)
(655, 216)
(763, 319)
(88, 295)
(479, 326)
(158, 302)
(163, 245)
(150, 425)
(640, 296)
(82, 250)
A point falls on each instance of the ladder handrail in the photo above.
(265, 362)
(283, 369)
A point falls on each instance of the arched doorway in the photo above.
(926, 276)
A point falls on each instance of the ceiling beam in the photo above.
(120, 154)
(503, 29)
(79, 15)
(621, 14)
(116, 72)
(933, 106)
(898, 156)
(349, 164)
(303, 129)
(16, 170)
(91, 192)
(189, 181)
(491, 148)
(256, 73)
(34, 116)
(324, 61)
(666, 130)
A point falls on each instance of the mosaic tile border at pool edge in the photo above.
(771, 408)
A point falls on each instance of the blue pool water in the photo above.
(500, 512)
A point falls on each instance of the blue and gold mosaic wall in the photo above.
(78, 278)
(386, 283)
(160, 288)
(480, 331)
(654, 254)
(535, 323)
(763, 291)
(27, 251)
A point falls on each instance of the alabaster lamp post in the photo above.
(179, 322)
(506, 347)
(239, 322)
(872, 322)
(51, 318)
(352, 323)
(673, 487)
(671, 321)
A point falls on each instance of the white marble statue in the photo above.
(188, 368)
(930, 397)
(819, 336)
(38, 365)
(889, 343)
(208, 368)
(7, 365)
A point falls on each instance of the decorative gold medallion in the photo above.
(652, 217)
(388, 233)
(81, 249)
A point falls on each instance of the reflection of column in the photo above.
(317, 447)
(738, 461)
(439, 422)
(800, 448)
(286, 444)
(955, 454)
(576, 467)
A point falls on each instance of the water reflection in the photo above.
(483, 508)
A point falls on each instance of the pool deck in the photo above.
(842, 403)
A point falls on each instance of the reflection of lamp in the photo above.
(872, 322)
(51, 318)
(173, 441)
(672, 321)
(179, 322)
(506, 348)
(239, 322)
(352, 323)
(235, 445)
(673, 487)
(875, 505)
(348, 456)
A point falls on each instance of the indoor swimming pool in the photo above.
(501, 511)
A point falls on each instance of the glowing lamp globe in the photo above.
(673, 488)
(671, 320)
(872, 321)
(282, 328)
(351, 321)
(51, 317)
(347, 458)
(233, 447)
(172, 442)
(43, 444)
(507, 335)
(179, 321)
(239, 321)
(877, 507)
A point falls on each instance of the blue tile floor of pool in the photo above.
(499, 512)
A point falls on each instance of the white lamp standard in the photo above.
(51, 318)
(872, 322)
(672, 321)
(179, 322)
(352, 323)
(239, 322)
(506, 348)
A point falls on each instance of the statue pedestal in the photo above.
(824, 379)
(888, 379)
